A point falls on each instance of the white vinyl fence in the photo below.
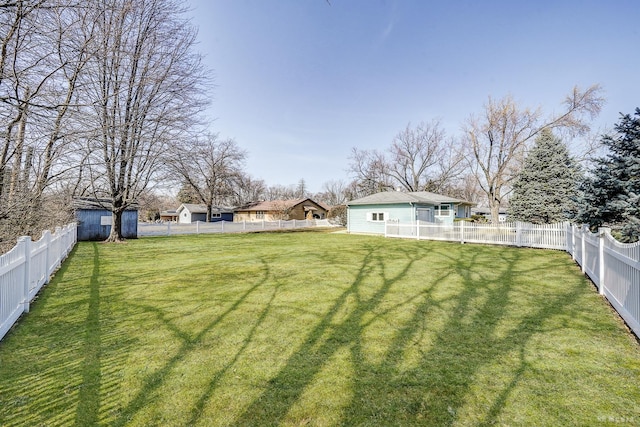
(27, 267)
(548, 236)
(614, 267)
(169, 229)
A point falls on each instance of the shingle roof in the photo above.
(275, 205)
(393, 197)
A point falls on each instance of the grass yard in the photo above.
(318, 329)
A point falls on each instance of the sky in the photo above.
(299, 83)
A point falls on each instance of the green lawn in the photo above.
(318, 329)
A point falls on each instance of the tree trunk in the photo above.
(116, 227)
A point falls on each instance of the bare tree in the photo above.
(144, 90)
(247, 189)
(210, 168)
(41, 55)
(370, 171)
(497, 141)
(333, 193)
(420, 158)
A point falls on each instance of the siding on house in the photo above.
(363, 214)
(360, 221)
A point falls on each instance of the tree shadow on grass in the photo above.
(89, 392)
(432, 393)
(188, 344)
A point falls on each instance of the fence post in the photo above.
(601, 236)
(417, 229)
(197, 227)
(518, 234)
(25, 241)
(223, 226)
(583, 247)
(573, 240)
(47, 258)
(263, 224)
(461, 231)
(244, 224)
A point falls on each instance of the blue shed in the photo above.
(94, 220)
(369, 214)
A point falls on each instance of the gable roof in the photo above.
(202, 209)
(278, 205)
(192, 207)
(399, 197)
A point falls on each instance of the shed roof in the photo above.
(395, 197)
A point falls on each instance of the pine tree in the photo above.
(547, 185)
(611, 195)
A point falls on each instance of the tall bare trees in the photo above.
(498, 140)
(211, 169)
(41, 56)
(420, 158)
(144, 87)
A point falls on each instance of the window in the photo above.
(377, 216)
(443, 210)
(216, 215)
(260, 214)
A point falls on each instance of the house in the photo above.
(486, 213)
(190, 212)
(275, 210)
(369, 214)
(170, 215)
(94, 219)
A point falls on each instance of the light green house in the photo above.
(369, 214)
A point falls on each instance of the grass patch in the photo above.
(317, 329)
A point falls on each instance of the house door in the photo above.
(424, 214)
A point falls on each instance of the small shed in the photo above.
(94, 219)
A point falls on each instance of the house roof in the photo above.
(276, 205)
(202, 209)
(192, 207)
(395, 197)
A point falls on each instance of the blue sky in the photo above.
(298, 83)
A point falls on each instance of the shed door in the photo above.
(424, 214)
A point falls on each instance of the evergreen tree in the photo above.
(611, 195)
(547, 185)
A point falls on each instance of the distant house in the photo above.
(169, 215)
(94, 219)
(275, 210)
(486, 213)
(369, 214)
(189, 212)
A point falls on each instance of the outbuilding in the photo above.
(94, 219)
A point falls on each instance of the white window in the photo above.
(260, 214)
(443, 210)
(377, 216)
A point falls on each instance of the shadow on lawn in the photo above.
(386, 393)
(89, 392)
(383, 392)
(188, 344)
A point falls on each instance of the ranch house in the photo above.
(369, 214)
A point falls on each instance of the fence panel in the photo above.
(622, 279)
(12, 277)
(169, 229)
(26, 268)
